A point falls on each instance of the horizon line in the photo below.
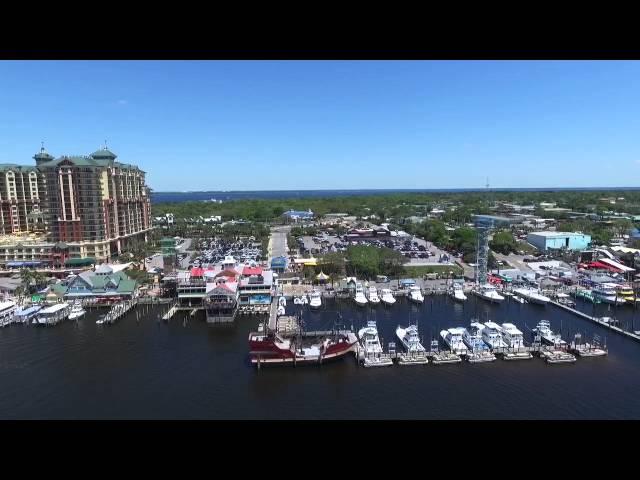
(399, 189)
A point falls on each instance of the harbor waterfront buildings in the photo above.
(82, 209)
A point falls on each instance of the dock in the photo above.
(119, 310)
(634, 336)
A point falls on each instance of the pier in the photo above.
(119, 310)
(597, 320)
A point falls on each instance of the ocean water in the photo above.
(161, 197)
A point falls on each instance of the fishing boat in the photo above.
(515, 341)
(583, 349)
(453, 338)
(492, 335)
(487, 292)
(315, 299)
(415, 354)
(282, 301)
(372, 348)
(531, 295)
(373, 295)
(543, 330)
(457, 293)
(415, 294)
(387, 297)
(472, 337)
(281, 311)
(360, 298)
(76, 311)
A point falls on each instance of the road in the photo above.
(278, 242)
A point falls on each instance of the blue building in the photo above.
(279, 264)
(544, 241)
(297, 215)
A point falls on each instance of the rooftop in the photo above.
(555, 234)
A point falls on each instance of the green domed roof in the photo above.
(104, 153)
(43, 155)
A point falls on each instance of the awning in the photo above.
(80, 262)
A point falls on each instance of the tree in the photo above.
(503, 242)
(333, 263)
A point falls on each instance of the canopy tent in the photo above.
(322, 277)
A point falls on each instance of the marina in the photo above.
(612, 381)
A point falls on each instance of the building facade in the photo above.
(72, 207)
(544, 241)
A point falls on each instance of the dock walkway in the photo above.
(597, 320)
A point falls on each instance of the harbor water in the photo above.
(144, 368)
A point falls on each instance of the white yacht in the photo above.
(387, 297)
(472, 337)
(607, 293)
(531, 295)
(415, 294)
(453, 337)
(315, 299)
(416, 353)
(373, 295)
(410, 339)
(488, 292)
(360, 298)
(492, 335)
(543, 330)
(512, 336)
(457, 293)
(76, 311)
(371, 347)
(281, 311)
(282, 301)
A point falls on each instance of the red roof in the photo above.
(246, 271)
(604, 266)
(197, 272)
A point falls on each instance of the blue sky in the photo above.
(265, 125)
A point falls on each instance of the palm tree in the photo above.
(26, 277)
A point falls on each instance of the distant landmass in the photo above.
(162, 197)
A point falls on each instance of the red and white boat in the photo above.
(272, 348)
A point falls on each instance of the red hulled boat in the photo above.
(271, 348)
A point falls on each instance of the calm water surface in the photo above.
(190, 370)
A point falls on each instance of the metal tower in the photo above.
(483, 227)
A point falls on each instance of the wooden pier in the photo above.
(597, 320)
(119, 310)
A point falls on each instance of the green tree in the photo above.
(503, 242)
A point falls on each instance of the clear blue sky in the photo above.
(320, 124)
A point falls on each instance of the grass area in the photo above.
(441, 269)
(525, 247)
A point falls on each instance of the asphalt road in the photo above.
(278, 242)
